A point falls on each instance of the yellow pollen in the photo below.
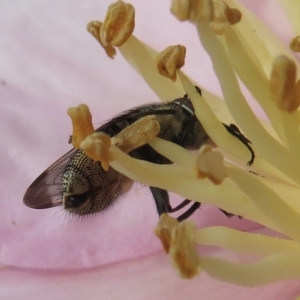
(183, 251)
(282, 84)
(210, 164)
(181, 8)
(224, 16)
(169, 60)
(178, 240)
(96, 146)
(94, 29)
(82, 123)
(234, 16)
(193, 10)
(270, 194)
(163, 230)
(295, 44)
(118, 24)
(137, 134)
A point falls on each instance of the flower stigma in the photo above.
(269, 194)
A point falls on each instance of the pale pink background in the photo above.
(48, 62)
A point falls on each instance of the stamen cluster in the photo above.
(269, 194)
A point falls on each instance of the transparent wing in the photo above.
(46, 190)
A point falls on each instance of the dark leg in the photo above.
(229, 215)
(189, 212)
(234, 130)
(181, 205)
(161, 198)
(197, 89)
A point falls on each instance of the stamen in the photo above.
(223, 17)
(212, 125)
(169, 60)
(297, 90)
(272, 203)
(182, 181)
(234, 16)
(262, 44)
(267, 270)
(142, 58)
(183, 251)
(268, 202)
(81, 122)
(210, 164)
(240, 110)
(96, 146)
(292, 9)
(284, 124)
(282, 84)
(295, 44)
(194, 10)
(181, 9)
(178, 240)
(176, 154)
(256, 244)
(163, 230)
(94, 29)
(137, 134)
(116, 28)
(118, 24)
(250, 76)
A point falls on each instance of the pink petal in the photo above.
(53, 63)
(147, 278)
(49, 63)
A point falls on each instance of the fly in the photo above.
(82, 187)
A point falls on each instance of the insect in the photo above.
(81, 185)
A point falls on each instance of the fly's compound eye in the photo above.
(76, 201)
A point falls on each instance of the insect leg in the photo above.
(181, 205)
(234, 130)
(229, 215)
(189, 212)
(161, 198)
(197, 89)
